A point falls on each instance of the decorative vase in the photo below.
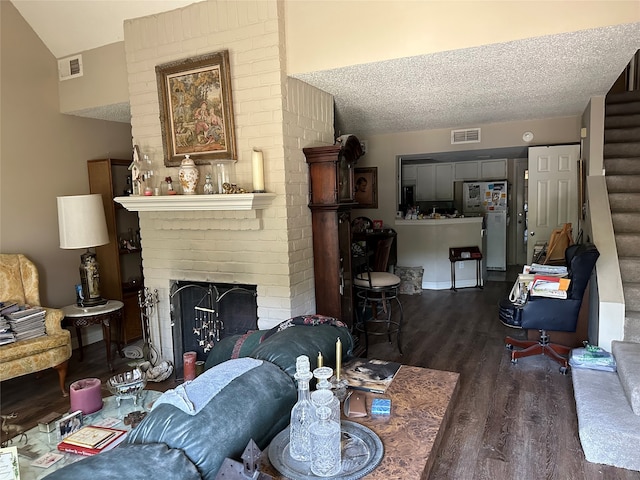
(208, 186)
(188, 176)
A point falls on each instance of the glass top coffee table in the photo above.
(39, 443)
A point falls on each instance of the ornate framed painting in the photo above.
(366, 187)
(196, 109)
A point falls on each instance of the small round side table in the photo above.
(81, 317)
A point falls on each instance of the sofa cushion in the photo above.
(256, 405)
(18, 279)
(152, 460)
(627, 355)
(33, 346)
(283, 348)
(234, 346)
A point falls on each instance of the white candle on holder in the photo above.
(338, 357)
(257, 162)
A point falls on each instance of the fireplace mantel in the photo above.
(164, 203)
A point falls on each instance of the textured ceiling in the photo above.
(551, 76)
(542, 77)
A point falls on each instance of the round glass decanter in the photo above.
(302, 413)
(326, 454)
(323, 374)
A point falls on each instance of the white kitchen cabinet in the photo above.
(425, 182)
(409, 173)
(466, 170)
(434, 181)
(493, 169)
(444, 181)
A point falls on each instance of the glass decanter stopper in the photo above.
(302, 413)
(323, 374)
(326, 455)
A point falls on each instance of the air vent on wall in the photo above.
(70, 67)
(469, 135)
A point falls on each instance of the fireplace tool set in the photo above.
(156, 371)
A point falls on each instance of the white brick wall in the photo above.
(270, 248)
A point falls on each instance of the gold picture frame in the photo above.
(196, 109)
(365, 185)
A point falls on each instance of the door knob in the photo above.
(533, 234)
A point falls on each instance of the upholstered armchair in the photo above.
(19, 283)
(551, 314)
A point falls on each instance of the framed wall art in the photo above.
(366, 187)
(196, 109)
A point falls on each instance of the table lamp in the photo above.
(82, 224)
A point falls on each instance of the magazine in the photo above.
(549, 286)
(369, 374)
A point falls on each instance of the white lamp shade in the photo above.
(81, 221)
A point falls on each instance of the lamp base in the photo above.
(90, 279)
(94, 302)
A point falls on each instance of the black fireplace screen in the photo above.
(204, 313)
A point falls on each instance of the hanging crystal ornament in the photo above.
(302, 413)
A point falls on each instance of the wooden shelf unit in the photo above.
(120, 269)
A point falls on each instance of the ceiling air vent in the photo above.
(70, 67)
(470, 135)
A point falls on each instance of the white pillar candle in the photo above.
(338, 357)
(257, 162)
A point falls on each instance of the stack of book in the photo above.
(549, 286)
(6, 335)
(27, 322)
(91, 440)
(551, 270)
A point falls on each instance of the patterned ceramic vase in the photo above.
(188, 176)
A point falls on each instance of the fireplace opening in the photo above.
(204, 313)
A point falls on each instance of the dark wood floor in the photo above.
(508, 421)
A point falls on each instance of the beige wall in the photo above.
(43, 154)
(323, 35)
(104, 80)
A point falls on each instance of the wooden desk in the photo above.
(421, 404)
(81, 317)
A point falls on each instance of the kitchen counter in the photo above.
(425, 243)
(440, 221)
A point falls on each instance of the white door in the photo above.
(553, 191)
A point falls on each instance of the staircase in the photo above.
(622, 167)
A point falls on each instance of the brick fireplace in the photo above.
(268, 246)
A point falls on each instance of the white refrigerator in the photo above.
(490, 199)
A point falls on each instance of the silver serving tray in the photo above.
(362, 451)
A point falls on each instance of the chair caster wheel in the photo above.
(508, 346)
(564, 370)
(514, 360)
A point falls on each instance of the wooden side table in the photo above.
(81, 317)
(462, 254)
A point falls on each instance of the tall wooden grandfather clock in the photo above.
(331, 199)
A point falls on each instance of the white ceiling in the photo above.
(543, 77)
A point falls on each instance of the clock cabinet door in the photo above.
(345, 180)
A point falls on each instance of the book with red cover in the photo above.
(112, 438)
